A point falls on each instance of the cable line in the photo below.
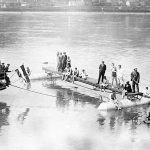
(36, 92)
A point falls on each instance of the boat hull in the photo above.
(124, 103)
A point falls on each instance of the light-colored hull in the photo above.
(124, 103)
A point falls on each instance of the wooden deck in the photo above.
(89, 81)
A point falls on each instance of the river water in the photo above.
(71, 121)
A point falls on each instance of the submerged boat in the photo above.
(132, 99)
(124, 103)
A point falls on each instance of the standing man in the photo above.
(135, 78)
(64, 61)
(102, 69)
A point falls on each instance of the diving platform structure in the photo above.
(89, 81)
(130, 100)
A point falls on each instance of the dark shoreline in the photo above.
(79, 9)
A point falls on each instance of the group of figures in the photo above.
(63, 61)
(64, 66)
(4, 69)
(117, 75)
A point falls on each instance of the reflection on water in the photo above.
(4, 118)
(132, 117)
(65, 98)
(22, 116)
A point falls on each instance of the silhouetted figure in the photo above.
(135, 78)
(102, 69)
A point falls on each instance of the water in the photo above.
(71, 121)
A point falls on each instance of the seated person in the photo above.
(83, 74)
(75, 74)
(67, 74)
(104, 84)
(146, 92)
(113, 98)
(127, 89)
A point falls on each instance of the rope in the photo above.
(36, 92)
(16, 80)
(12, 75)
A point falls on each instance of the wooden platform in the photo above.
(89, 81)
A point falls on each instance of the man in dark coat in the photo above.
(64, 61)
(102, 69)
(135, 78)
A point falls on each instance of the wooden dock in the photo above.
(89, 81)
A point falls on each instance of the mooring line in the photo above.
(36, 92)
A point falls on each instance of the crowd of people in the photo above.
(117, 75)
(118, 79)
(64, 66)
(4, 69)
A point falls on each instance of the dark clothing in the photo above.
(7, 80)
(3, 76)
(3, 67)
(60, 63)
(148, 118)
(101, 74)
(102, 69)
(7, 69)
(133, 87)
(76, 73)
(68, 62)
(135, 78)
(128, 88)
(64, 62)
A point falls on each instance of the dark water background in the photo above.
(37, 122)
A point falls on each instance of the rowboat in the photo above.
(132, 99)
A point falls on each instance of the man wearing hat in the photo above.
(135, 78)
